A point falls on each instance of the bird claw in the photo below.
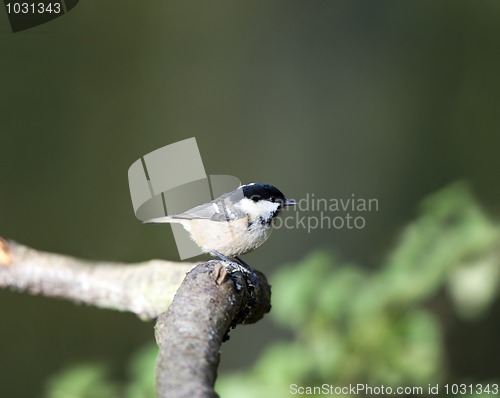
(233, 264)
(236, 266)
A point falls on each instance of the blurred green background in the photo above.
(388, 100)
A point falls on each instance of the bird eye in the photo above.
(272, 199)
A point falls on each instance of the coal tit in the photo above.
(234, 223)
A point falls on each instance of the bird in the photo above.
(235, 223)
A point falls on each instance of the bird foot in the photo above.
(241, 266)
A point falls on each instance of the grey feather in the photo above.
(221, 209)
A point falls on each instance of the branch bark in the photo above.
(190, 327)
(207, 305)
(146, 289)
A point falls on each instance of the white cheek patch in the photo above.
(262, 208)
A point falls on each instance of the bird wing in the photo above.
(217, 210)
(221, 209)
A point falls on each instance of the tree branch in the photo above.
(190, 328)
(146, 289)
(190, 333)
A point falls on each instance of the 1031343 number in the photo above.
(33, 8)
(471, 389)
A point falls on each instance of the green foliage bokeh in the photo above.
(353, 326)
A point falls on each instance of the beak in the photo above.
(289, 202)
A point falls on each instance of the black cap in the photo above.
(258, 192)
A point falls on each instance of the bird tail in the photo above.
(161, 220)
